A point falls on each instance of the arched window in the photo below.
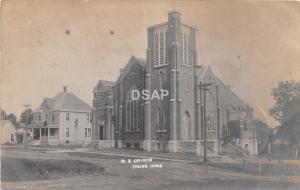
(186, 126)
(210, 113)
(158, 118)
(132, 112)
(163, 119)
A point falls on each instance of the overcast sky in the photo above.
(47, 44)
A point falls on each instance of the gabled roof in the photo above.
(103, 83)
(200, 69)
(133, 60)
(65, 101)
(228, 97)
(203, 70)
(48, 101)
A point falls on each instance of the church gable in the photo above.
(206, 75)
(134, 66)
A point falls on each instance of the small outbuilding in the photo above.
(8, 132)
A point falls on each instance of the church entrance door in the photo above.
(101, 132)
(186, 126)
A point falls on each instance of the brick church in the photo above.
(199, 105)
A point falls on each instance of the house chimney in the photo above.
(65, 89)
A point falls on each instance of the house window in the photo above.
(85, 132)
(67, 116)
(89, 117)
(40, 117)
(12, 137)
(46, 116)
(53, 117)
(89, 132)
(67, 132)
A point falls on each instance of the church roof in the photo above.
(203, 70)
(228, 97)
(105, 83)
(65, 101)
(140, 61)
(127, 68)
(200, 69)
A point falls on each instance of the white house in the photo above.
(8, 132)
(63, 119)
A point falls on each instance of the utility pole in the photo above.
(27, 107)
(204, 87)
(75, 129)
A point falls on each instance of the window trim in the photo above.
(211, 111)
(131, 112)
(160, 47)
(85, 132)
(67, 132)
(67, 116)
(186, 41)
(89, 132)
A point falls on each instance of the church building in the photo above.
(197, 105)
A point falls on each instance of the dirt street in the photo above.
(76, 169)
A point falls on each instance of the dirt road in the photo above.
(65, 169)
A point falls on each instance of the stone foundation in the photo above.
(138, 145)
(106, 144)
(152, 146)
(147, 146)
(194, 146)
(98, 144)
(172, 146)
